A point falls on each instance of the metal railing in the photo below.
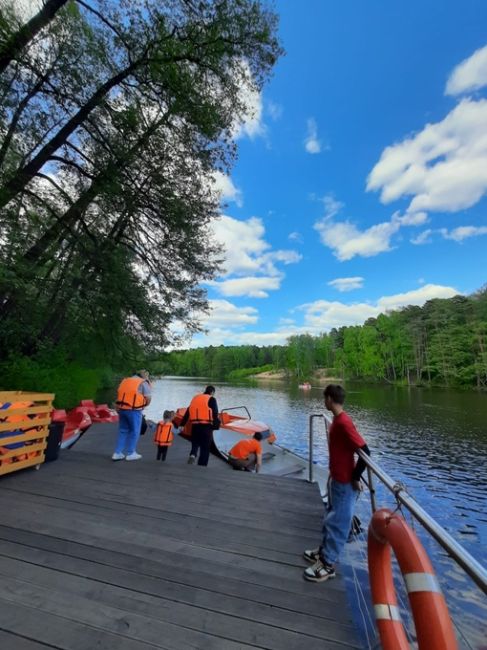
(462, 557)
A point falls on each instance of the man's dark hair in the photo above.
(209, 390)
(335, 392)
(258, 436)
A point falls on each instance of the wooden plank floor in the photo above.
(132, 556)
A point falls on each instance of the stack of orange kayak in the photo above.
(80, 418)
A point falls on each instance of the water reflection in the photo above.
(433, 440)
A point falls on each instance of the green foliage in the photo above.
(443, 343)
(222, 362)
(243, 373)
(108, 143)
(50, 372)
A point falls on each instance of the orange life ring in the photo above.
(434, 629)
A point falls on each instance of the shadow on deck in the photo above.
(132, 556)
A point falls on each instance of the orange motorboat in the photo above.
(236, 423)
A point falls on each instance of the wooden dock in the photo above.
(132, 556)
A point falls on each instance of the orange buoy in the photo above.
(434, 629)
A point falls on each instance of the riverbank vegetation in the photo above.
(115, 119)
(442, 343)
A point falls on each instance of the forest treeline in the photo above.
(115, 117)
(442, 343)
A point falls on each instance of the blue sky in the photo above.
(361, 177)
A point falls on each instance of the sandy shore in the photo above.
(319, 377)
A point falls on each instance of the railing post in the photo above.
(370, 477)
(310, 462)
(311, 442)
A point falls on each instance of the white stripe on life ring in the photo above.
(421, 582)
(386, 613)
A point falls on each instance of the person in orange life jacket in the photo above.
(164, 434)
(247, 454)
(133, 395)
(202, 413)
(343, 488)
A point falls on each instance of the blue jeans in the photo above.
(129, 424)
(337, 521)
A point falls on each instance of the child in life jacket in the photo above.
(164, 434)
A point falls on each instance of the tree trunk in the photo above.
(17, 183)
(39, 252)
(26, 33)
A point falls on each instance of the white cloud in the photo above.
(252, 123)
(464, 232)
(443, 168)
(470, 74)
(347, 284)
(223, 184)
(274, 110)
(226, 314)
(243, 242)
(227, 324)
(248, 256)
(423, 237)
(412, 219)
(254, 287)
(284, 256)
(332, 206)
(347, 241)
(322, 315)
(295, 236)
(311, 142)
(456, 234)
(416, 296)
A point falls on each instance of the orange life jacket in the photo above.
(164, 435)
(20, 421)
(127, 396)
(199, 411)
(17, 417)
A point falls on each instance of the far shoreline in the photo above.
(282, 375)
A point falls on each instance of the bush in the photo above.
(70, 381)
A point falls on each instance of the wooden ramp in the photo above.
(132, 556)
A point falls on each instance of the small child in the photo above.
(164, 435)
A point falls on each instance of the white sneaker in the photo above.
(134, 456)
(191, 460)
(312, 556)
(116, 456)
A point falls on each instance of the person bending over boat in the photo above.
(343, 487)
(247, 454)
(202, 413)
(133, 395)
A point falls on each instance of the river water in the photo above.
(433, 440)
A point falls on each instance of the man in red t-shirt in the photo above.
(344, 485)
(247, 453)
